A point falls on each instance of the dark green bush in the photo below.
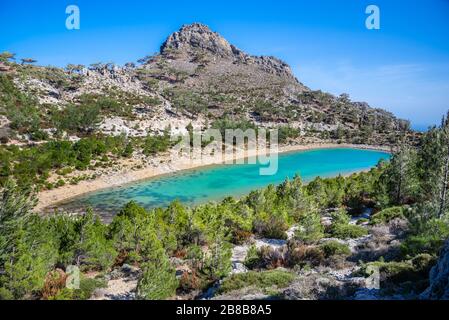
(332, 248)
(265, 280)
(387, 215)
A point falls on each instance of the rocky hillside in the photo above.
(197, 77)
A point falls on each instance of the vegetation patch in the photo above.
(266, 281)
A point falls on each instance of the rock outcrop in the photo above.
(439, 278)
(195, 39)
(191, 39)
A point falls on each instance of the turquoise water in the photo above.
(215, 183)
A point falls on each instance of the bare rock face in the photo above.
(197, 39)
(439, 278)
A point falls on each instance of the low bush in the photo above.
(426, 238)
(342, 229)
(252, 259)
(265, 280)
(347, 231)
(158, 280)
(387, 215)
(301, 255)
(310, 228)
(85, 291)
(414, 270)
(333, 248)
(273, 228)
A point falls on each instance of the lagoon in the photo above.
(197, 186)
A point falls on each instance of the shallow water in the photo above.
(215, 183)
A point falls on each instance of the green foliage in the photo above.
(85, 291)
(285, 133)
(128, 151)
(332, 248)
(217, 261)
(427, 236)
(21, 109)
(310, 229)
(252, 258)
(156, 144)
(227, 123)
(15, 211)
(400, 177)
(265, 280)
(31, 166)
(341, 229)
(327, 192)
(82, 119)
(387, 215)
(33, 253)
(348, 231)
(413, 270)
(186, 100)
(94, 250)
(158, 280)
(5, 56)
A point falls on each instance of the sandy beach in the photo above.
(161, 165)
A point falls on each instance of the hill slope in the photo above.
(197, 77)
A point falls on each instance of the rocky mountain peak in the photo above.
(197, 37)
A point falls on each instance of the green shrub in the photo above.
(156, 144)
(60, 183)
(94, 249)
(265, 280)
(426, 238)
(387, 215)
(82, 118)
(158, 279)
(87, 288)
(85, 291)
(252, 258)
(348, 231)
(273, 228)
(332, 248)
(341, 229)
(310, 228)
(397, 272)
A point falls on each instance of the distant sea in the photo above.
(421, 127)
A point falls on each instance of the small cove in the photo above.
(197, 186)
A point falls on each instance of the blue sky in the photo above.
(403, 67)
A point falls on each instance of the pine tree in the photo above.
(158, 279)
(443, 181)
(15, 210)
(93, 249)
(400, 176)
(310, 229)
(433, 164)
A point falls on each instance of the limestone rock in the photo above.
(439, 278)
